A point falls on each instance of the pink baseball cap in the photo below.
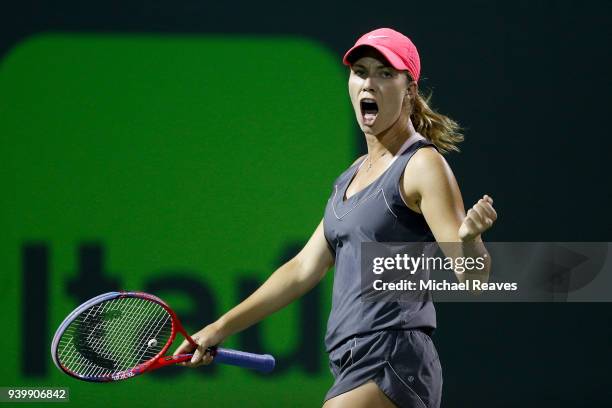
(394, 46)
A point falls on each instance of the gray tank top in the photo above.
(377, 213)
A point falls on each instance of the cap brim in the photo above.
(395, 61)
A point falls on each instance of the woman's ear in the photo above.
(411, 89)
(410, 93)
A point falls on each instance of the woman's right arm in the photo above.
(286, 284)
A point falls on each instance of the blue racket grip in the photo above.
(260, 362)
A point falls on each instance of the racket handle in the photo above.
(260, 362)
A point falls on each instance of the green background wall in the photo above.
(197, 160)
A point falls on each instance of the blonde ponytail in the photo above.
(441, 130)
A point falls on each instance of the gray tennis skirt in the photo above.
(403, 363)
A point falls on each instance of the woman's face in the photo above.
(378, 92)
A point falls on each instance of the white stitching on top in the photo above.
(356, 205)
(386, 202)
(333, 201)
(403, 382)
(399, 188)
(360, 202)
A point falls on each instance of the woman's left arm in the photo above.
(429, 180)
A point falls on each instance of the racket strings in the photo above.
(120, 329)
(122, 361)
(114, 336)
(77, 358)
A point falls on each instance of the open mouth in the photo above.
(369, 110)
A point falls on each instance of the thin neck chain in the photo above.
(370, 161)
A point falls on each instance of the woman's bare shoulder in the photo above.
(426, 167)
(426, 158)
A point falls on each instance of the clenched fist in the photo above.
(478, 219)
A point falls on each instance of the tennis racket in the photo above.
(118, 335)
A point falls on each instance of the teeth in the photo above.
(368, 100)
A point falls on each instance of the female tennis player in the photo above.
(403, 190)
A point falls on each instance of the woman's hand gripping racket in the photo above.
(118, 335)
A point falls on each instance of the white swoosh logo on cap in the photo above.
(377, 36)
